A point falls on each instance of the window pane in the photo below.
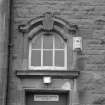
(36, 43)
(59, 58)
(36, 58)
(47, 58)
(47, 42)
(59, 44)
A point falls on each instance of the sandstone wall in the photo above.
(89, 15)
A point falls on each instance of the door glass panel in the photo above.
(47, 58)
(47, 42)
(59, 44)
(36, 43)
(59, 58)
(36, 58)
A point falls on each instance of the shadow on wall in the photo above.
(80, 63)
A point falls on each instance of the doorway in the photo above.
(46, 98)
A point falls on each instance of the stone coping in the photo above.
(51, 73)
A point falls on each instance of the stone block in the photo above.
(95, 59)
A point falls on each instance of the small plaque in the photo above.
(77, 42)
(46, 98)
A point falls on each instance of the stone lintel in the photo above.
(41, 73)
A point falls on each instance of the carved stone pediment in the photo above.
(49, 22)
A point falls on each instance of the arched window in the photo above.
(47, 52)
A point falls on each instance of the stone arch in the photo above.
(49, 23)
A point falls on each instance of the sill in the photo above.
(47, 68)
(42, 73)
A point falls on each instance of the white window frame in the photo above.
(53, 67)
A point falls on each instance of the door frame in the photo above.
(68, 92)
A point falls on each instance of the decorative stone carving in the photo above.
(48, 22)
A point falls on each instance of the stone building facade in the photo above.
(39, 61)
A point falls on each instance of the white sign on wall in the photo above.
(47, 80)
(77, 42)
(46, 97)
